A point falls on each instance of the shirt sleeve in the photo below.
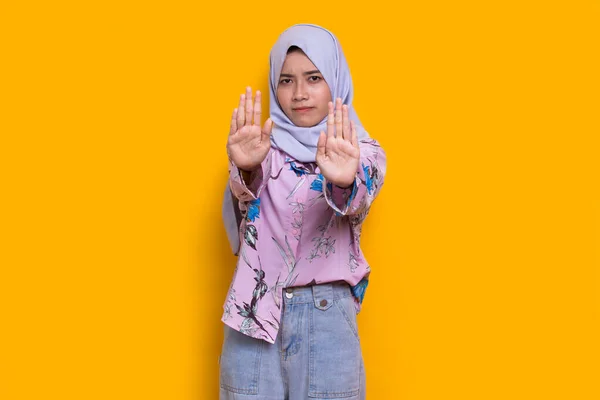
(248, 191)
(367, 183)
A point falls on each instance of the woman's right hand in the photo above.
(248, 144)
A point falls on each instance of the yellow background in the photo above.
(484, 241)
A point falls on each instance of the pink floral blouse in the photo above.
(297, 230)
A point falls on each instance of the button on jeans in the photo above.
(316, 354)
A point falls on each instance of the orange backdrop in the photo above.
(484, 242)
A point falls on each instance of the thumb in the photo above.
(267, 128)
(321, 144)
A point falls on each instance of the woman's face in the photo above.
(302, 91)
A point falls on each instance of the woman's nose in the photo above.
(300, 92)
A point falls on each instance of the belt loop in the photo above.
(323, 295)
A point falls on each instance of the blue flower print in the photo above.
(352, 194)
(368, 180)
(299, 171)
(253, 210)
(359, 290)
(317, 184)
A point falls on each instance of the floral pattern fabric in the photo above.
(297, 230)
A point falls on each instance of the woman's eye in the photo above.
(316, 78)
(285, 81)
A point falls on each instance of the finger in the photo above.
(248, 106)
(321, 144)
(347, 131)
(267, 129)
(233, 125)
(257, 109)
(354, 135)
(330, 122)
(338, 118)
(240, 111)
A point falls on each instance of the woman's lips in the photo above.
(302, 109)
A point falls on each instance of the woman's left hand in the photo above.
(338, 153)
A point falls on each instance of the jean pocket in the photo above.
(335, 354)
(239, 369)
(348, 310)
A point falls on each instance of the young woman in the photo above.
(302, 185)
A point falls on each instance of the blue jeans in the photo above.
(316, 354)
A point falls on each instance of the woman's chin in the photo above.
(305, 123)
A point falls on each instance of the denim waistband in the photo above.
(322, 294)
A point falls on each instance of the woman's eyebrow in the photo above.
(316, 71)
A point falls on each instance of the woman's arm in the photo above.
(247, 185)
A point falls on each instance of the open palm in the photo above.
(248, 144)
(338, 153)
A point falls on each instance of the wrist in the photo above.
(339, 183)
(243, 167)
(343, 185)
(249, 175)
